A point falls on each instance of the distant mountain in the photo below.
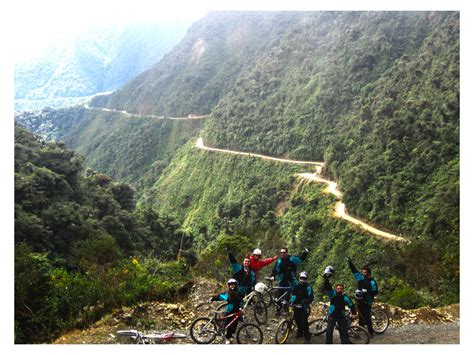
(100, 60)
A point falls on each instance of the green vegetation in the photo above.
(203, 67)
(373, 94)
(81, 246)
(133, 150)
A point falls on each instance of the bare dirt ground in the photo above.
(421, 326)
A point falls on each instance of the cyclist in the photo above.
(369, 288)
(337, 311)
(302, 294)
(244, 275)
(234, 301)
(285, 270)
(256, 261)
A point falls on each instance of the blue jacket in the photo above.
(337, 309)
(368, 284)
(234, 301)
(302, 294)
(285, 269)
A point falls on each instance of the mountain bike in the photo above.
(270, 297)
(151, 338)
(204, 330)
(255, 300)
(286, 326)
(357, 334)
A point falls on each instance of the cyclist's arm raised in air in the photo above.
(328, 289)
(233, 262)
(299, 259)
(357, 275)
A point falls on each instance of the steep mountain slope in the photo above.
(373, 94)
(102, 59)
(203, 67)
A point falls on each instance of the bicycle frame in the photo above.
(236, 316)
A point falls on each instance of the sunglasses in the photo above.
(283, 252)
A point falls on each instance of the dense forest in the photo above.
(82, 247)
(375, 95)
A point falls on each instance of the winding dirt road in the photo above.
(339, 208)
(103, 109)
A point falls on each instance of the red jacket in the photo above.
(256, 264)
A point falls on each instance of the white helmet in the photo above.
(260, 287)
(329, 271)
(257, 252)
(359, 294)
(232, 281)
(303, 274)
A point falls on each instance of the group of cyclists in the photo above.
(244, 278)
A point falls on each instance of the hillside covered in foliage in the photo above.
(82, 248)
(375, 95)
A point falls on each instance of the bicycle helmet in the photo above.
(303, 277)
(260, 287)
(359, 294)
(257, 252)
(329, 271)
(232, 282)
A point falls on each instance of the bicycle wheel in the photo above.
(318, 326)
(267, 297)
(249, 334)
(283, 332)
(358, 335)
(260, 312)
(380, 321)
(203, 330)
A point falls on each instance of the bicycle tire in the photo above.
(221, 308)
(267, 297)
(318, 326)
(358, 335)
(283, 332)
(380, 321)
(249, 333)
(260, 312)
(202, 326)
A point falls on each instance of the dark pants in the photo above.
(341, 325)
(365, 316)
(231, 330)
(301, 319)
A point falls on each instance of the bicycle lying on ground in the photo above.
(286, 326)
(205, 329)
(151, 338)
(357, 334)
(255, 300)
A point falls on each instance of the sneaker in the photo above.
(307, 341)
(228, 341)
(299, 335)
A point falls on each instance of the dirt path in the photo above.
(339, 208)
(103, 109)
